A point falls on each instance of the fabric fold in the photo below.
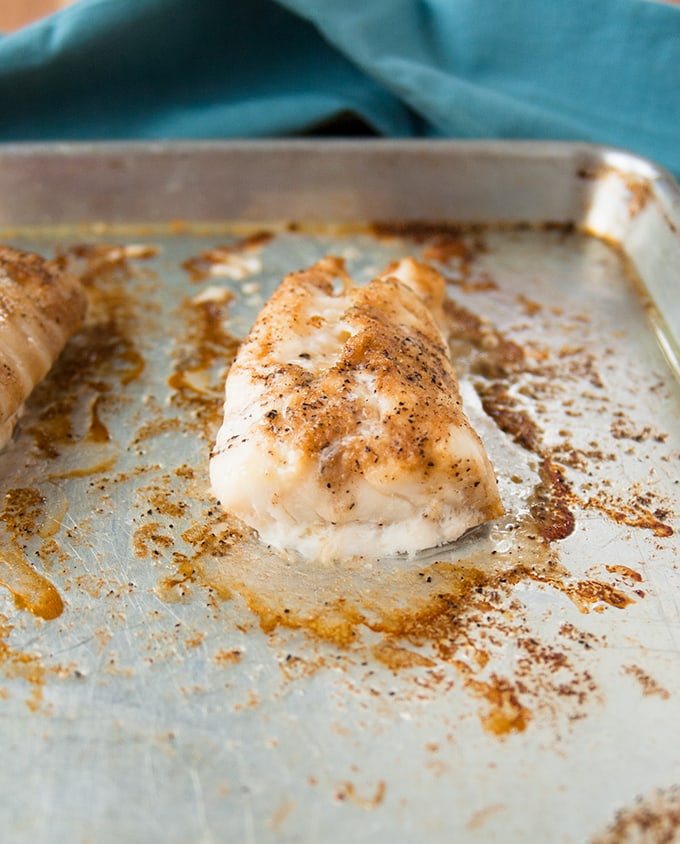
(605, 72)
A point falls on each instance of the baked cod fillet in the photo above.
(343, 431)
(41, 307)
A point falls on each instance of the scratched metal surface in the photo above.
(236, 699)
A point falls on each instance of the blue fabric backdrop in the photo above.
(606, 71)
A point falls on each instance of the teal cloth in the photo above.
(606, 71)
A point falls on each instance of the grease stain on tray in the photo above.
(445, 623)
(651, 818)
(451, 616)
(24, 514)
(27, 668)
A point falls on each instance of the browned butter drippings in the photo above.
(456, 607)
(453, 609)
(22, 514)
(31, 590)
(404, 615)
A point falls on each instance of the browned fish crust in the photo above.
(343, 412)
(41, 306)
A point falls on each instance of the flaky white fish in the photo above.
(344, 433)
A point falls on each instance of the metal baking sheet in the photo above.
(163, 677)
